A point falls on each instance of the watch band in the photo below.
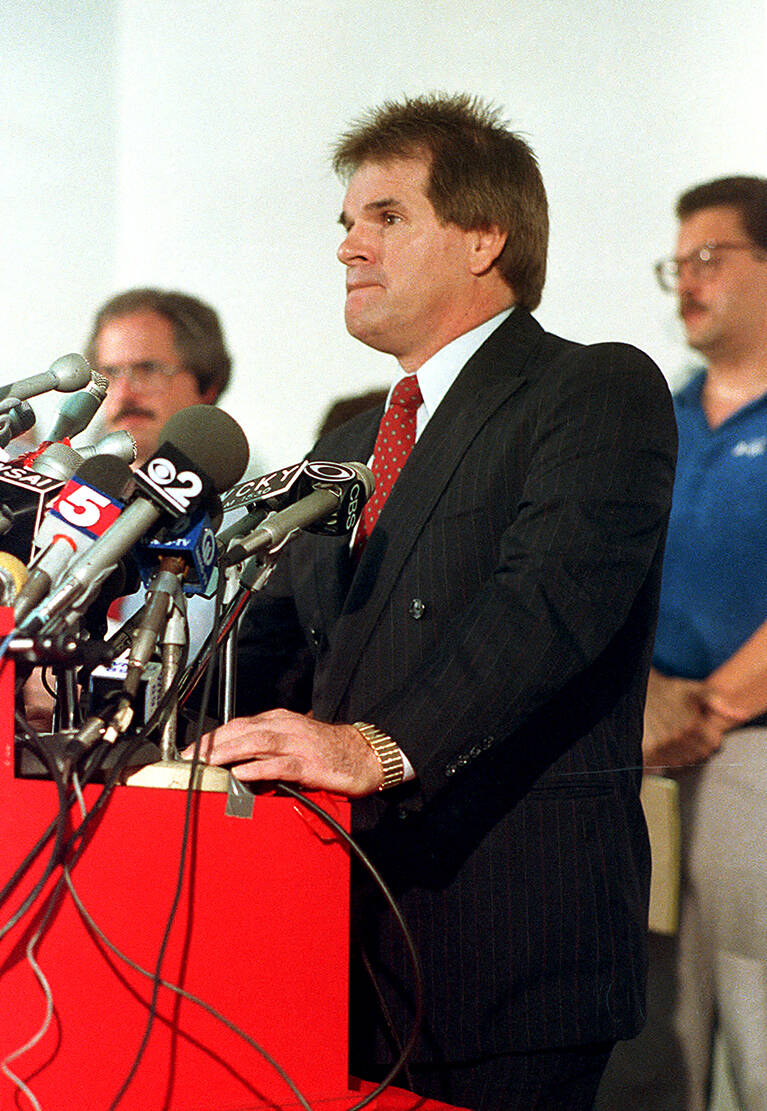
(387, 752)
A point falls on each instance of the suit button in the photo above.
(315, 635)
(416, 609)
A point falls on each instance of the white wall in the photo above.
(185, 144)
(57, 176)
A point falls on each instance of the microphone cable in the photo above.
(31, 739)
(188, 816)
(405, 1052)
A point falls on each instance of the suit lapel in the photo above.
(486, 382)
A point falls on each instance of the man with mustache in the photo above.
(479, 651)
(161, 351)
(706, 714)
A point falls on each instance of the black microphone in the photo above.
(16, 422)
(67, 374)
(339, 493)
(273, 489)
(203, 451)
(24, 496)
(78, 410)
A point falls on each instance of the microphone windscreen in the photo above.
(212, 440)
(107, 473)
(13, 575)
(58, 460)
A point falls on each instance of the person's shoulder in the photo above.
(607, 359)
(688, 393)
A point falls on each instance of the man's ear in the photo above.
(209, 397)
(485, 245)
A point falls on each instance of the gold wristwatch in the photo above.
(387, 752)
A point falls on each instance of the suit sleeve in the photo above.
(576, 574)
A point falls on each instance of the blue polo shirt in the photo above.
(714, 592)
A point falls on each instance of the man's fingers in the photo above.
(286, 768)
(237, 739)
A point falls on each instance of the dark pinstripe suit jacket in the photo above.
(499, 626)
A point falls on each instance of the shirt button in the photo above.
(416, 609)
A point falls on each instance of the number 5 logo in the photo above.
(86, 508)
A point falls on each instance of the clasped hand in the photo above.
(679, 729)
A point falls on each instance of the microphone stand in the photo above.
(174, 646)
(228, 684)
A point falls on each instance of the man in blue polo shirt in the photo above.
(706, 715)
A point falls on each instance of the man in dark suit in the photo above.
(479, 664)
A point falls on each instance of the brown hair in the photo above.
(197, 331)
(748, 195)
(481, 174)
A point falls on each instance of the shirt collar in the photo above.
(437, 374)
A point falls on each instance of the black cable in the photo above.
(45, 680)
(41, 750)
(156, 979)
(211, 644)
(32, 740)
(385, 1012)
(182, 993)
(330, 821)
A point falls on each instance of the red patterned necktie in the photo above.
(394, 442)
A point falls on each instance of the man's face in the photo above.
(409, 285)
(130, 350)
(723, 305)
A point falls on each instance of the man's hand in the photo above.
(678, 729)
(293, 747)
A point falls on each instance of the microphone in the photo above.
(24, 496)
(67, 374)
(16, 422)
(334, 507)
(120, 443)
(273, 488)
(13, 574)
(59, 461)
(202, 449)
(193, 541)
(26, 490)
(85, 508)
(78, 410)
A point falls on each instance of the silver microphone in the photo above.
(67, 374)
(78, 410)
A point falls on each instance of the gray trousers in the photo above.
(713, 975)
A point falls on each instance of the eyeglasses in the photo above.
(146, 375)
(704, 262)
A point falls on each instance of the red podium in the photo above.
(260, 934)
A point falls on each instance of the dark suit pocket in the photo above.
(573, 785)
